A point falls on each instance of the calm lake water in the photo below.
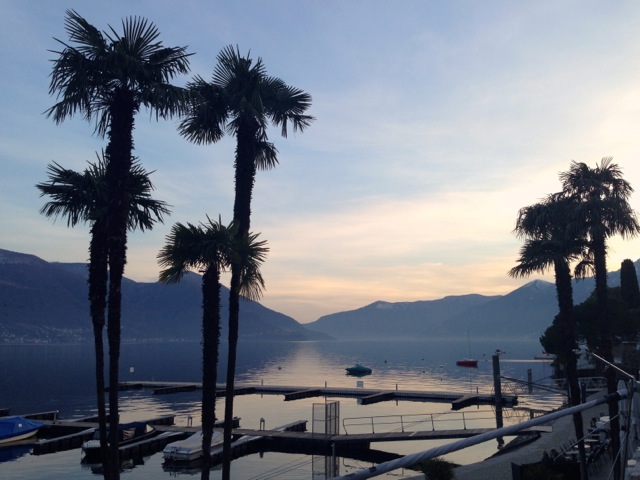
(60, 377)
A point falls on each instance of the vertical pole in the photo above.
(529, 380)
(498, 394)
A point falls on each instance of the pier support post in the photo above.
(497, 386)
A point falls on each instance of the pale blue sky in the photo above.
(436, 122)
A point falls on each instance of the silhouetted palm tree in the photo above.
(108, 77)
(242, 100)
(602, 209)
(551, 244)
(83, 197)
(211, 248)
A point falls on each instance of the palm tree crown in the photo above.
(90, 71)
(241, 100)
(83, 197)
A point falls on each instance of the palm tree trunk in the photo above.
(97, 301)
(567, 322)
(210, 345)
(245, 174)
(118, 153)
(234, 313)
(600, 263)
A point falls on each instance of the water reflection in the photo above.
(40, 378)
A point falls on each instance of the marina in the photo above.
(164, 385)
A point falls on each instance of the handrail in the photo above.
(425, 421)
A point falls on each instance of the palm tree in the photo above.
(82, 197)
(602, 208)
(108, 77)
(549, 243)
(242, 100)
(211, 248)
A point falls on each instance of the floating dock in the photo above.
(365, 396)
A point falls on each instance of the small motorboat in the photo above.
(15, 429)
(190, 448)
(358, 369)
(128, 433)
(467, 362)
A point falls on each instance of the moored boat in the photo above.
(467, 362)
(189, 449)
(15, 429)
(358, 369)
(128, 433)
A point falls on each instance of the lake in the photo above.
(36, 378)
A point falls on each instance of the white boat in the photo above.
(14, 429)
(190, 448)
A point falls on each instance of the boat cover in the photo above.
(13, 426)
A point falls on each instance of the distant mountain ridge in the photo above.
(47, 302)
(524, 313)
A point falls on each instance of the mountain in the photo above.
(44, 302)
(397, 320)
(524, 313)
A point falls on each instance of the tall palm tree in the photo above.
(83, 197)
(550, 243)
(602, 208)
(242, 100)
(108, 77)
(211, 248)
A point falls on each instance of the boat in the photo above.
(467, 362)
(190, 448)
(15, 429)
(128, 433)
(358, 369)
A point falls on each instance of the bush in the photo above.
(437, 469)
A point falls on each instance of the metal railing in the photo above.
(558, 385)
(418, 422)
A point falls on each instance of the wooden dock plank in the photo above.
(175, 389)
(300, 394)
(464, 401)
(413, 395)
(376, 398)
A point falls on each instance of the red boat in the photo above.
(467, 362)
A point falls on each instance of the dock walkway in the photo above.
(365, 396)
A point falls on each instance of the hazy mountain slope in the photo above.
(397, 320)
(525, 312)
(42, 301)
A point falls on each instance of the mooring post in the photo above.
(498, 390)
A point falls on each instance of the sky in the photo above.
(435, 122)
